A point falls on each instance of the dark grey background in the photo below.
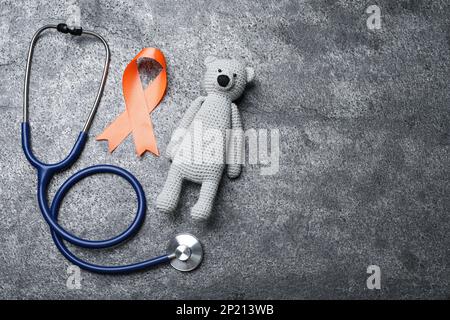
(364, 123)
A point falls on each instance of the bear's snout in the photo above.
(223, 80)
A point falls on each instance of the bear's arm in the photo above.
(234, 154)
(191, 112)
(180, 131)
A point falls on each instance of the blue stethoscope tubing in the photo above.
(50, 214)
(45, 172)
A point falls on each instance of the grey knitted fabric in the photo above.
(209, 137)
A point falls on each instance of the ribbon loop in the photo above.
(139, 103)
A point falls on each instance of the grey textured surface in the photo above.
(364, 168)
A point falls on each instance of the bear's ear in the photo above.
(210, 59)
(250, 74)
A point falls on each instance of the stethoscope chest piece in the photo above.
(185, 251)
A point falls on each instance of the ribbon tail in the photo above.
(145, 140)
(143, 134)
(116, 132)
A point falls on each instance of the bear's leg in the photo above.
(168, 198)
(202, 209)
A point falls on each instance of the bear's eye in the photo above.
(220, 70)
(234, 75)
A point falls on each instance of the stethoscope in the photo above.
(185, 250)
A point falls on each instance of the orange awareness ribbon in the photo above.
(139, 103)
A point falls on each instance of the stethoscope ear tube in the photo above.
(78, 32)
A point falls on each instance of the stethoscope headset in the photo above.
(185, 252)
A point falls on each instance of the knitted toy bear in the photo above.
(209, 137)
